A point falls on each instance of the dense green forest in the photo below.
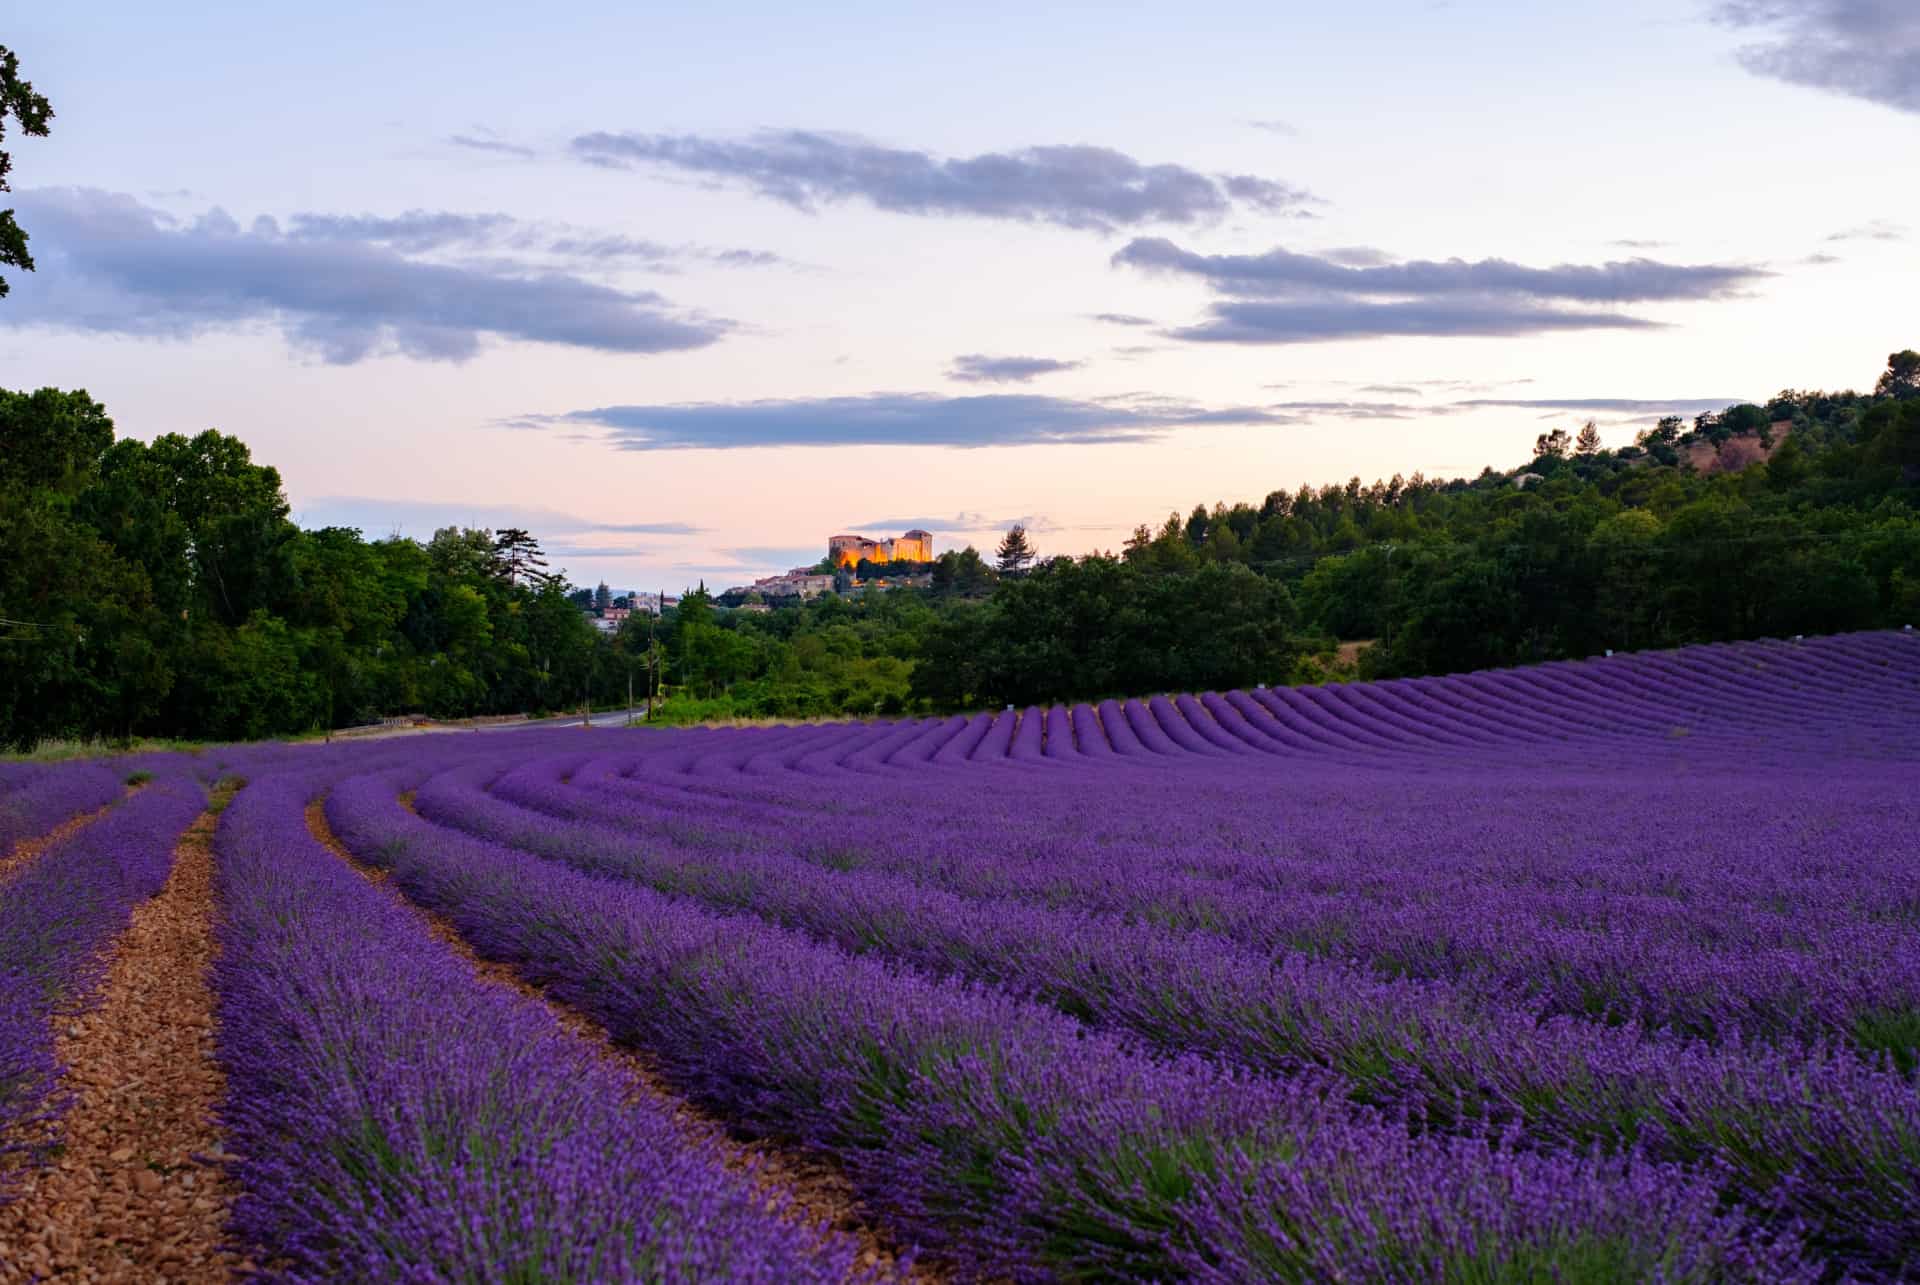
(160, 589)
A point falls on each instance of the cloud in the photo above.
(483, 141)
(1393, 390)
(1357, 256)
(381, 515)
(1821, 260)
(1622, 405)
(783, 557)
(1862, 48)
(114, 266)
(1329, 321)
(1360, 410)
(1073, 185)
(978, 368)
(897, 419)
(411, 232)
(1630, 243)
(1275, 127)
(962, 523)
(1286, 297)
(1265, 195)
(424, 231)
(1122, 319)
(1875, 230)
(1281, 272)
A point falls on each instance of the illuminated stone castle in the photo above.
(848, 550)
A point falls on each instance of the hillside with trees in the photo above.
(160, 589)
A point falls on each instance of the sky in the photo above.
(687, 289)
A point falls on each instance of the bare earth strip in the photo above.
(136, 1192)
(814, 1191)
(27, 849)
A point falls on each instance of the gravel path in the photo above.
(135, 1193)
(815, 1192)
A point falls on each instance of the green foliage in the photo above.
(31, 112)
(159, 589)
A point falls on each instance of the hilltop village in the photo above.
(852, 565)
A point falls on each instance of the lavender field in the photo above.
(1591, 971)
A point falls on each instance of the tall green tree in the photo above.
(31, 112)
(1015, 551)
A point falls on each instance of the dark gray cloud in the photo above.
(1326, 321)
(111, 265)
(1280, 272)
(379, 515)
(897, 419)
(1074, 185)
(1873, 230)
(1122, 319)
(1862, 48)
(1282, 297)
(484, 142)
(979, 368)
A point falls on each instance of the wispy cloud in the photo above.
(1286, 297)
(962, 523)
(484, 140)
(1072, 185)
(1613, 405)
(898, 419)
(1862, 48)
(1873, 230)
(111, 265)
(380, 515)
(1275, 127)
(979, 368)
(1122, 319)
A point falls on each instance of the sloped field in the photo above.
(1593, 971)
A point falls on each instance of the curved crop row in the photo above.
(395, 1118)
(986, 1123)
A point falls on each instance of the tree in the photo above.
(1551, 445)
(602, 598)
(1588, 443)
(1014, 552)
(517, 558)
(1902, 376)
(32, 111)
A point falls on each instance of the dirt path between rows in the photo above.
(26, 850)
(812, 1189)
(135, 1192)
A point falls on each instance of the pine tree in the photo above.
(1014, 552)
(602, 598)
(1588, 443)
(517, 558)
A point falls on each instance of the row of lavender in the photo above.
(56, 915)
(1452, 1055)
(1021, 1142)
(1762, 905)
(1361, 983)
(396, 1118)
